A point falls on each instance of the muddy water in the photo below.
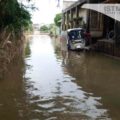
(50, 84)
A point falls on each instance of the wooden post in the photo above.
(66, 20)
(71, 18)
(78, 16)
(88, 19)
(117, 33)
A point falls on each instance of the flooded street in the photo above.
(50, 84)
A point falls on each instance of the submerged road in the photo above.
(50, 84)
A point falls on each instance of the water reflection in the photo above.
(13, 101)
(97, 74)
(51, 85)
(60, 86)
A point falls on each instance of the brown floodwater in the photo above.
(50, 84)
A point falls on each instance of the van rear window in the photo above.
(75, 34)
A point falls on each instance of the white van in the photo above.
(75, 38)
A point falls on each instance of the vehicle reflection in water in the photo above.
(70, 86)
(97, 74)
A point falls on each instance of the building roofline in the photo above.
(80, 2)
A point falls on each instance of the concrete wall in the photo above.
(78, 17)
(96, 34)
(83, 14)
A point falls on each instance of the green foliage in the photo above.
(52, 29)
(57, 19)
(44, 28)
(14, 15)
(27, 50)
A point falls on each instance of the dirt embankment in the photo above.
(10, 47)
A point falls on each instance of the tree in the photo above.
(14, 15)
(52, 29)
(57, 19)
(44, 28)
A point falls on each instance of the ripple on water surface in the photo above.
(53, 93)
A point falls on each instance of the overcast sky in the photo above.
(46, 11)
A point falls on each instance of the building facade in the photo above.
(99, 25)
(96, 23)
